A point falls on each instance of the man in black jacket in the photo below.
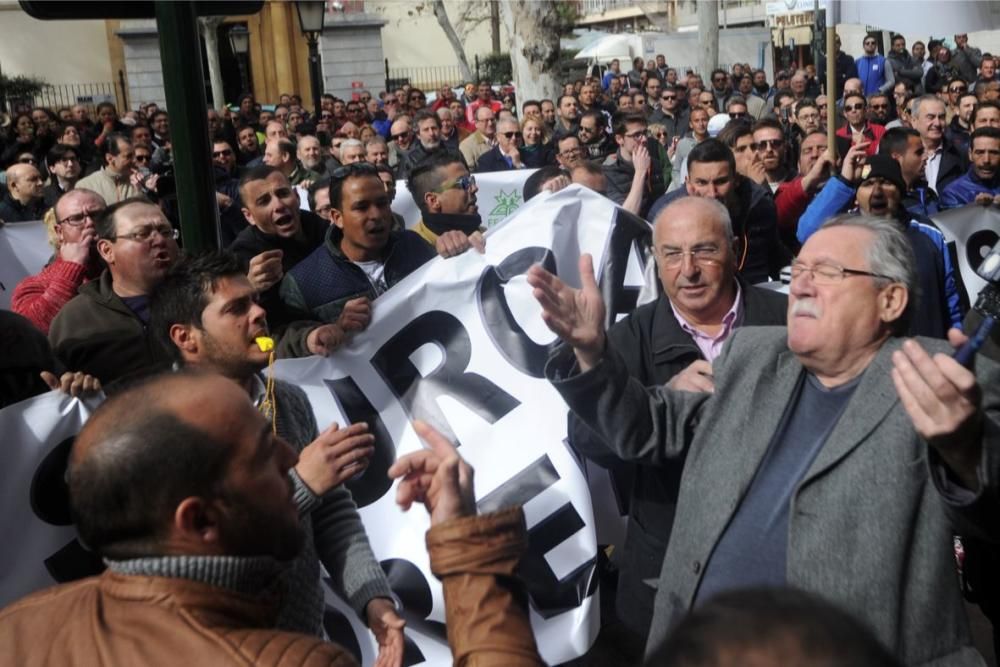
(634, 174)
(280, 235)
(712, 173)
(673, 340)
(24, 200)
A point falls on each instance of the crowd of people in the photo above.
(801, 456)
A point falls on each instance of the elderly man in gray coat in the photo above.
(831, 455)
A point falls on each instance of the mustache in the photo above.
(806, 307)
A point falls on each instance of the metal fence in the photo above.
(425, 78)
(88, 94)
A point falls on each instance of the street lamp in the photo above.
(239, 40)
(311, 15)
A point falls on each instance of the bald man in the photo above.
(674, 341)
(182, 487)
(24, 200)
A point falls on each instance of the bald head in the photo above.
(154, 460)
(693, 210)
(24, 182)
(146, 449)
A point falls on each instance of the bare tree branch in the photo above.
(456, 44)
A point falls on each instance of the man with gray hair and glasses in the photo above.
(833, 455)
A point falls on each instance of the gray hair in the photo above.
(889, 255)
(351, 143)
(917, 102)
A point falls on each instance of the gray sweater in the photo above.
(335, 535)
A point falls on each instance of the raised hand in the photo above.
(575, 315)
(335, 456)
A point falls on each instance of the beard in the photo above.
(250, 528)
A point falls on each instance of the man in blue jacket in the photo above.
(875, 76)
(877, 187)
(981, 184)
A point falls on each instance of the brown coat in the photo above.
(117, 619)
(475, 558)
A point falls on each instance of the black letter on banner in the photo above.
(549, 596)
(373, 482)
(628, 231)
(419, 394)
(517, 348)
(49, 497)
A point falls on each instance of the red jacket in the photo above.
(872, 132)
(40, 297)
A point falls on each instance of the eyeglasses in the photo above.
(572, 152)
(354, 169)
(637, 135)
(78, 219)
(738, 114)
(27, 160)
(326, 116)
(854, 107)
(511, 135)
(145, 234)
(222, 153)
(462, 182)
(701, 256)
(764, 144)
(830, 274)
(588, 130)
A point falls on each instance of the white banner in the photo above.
(24, 251)
(460, 344)
(40, 547)
(973, 229)
(500, 194)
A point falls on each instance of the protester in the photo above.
(64, 168)
(506, 155)
(905, 146)
(981, 184)
(858, 128)
(765, 447)
(76, 262)
(712, 173)
(636, 177)
(204, 313)
(428, 145)
(944, 163)
(445, 193)
(103, 330)
(114, 180)
(482, 140)
(876, 184)
(25, 199)
(703, 301)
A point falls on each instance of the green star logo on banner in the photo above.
(506, 203)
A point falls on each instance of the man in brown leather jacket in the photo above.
(180, 484)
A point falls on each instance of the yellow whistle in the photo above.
(265, 343)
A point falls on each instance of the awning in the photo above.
(623, 47)
(801, 34)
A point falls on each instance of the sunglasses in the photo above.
(396, 137)
(764, 144)
(854, 107)
(462, 182)
(738, 115)
(511, 135)
(668, 98)
(880, 106)
(222, 153)
(959, 89)
(27, 160)
(144, 158)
